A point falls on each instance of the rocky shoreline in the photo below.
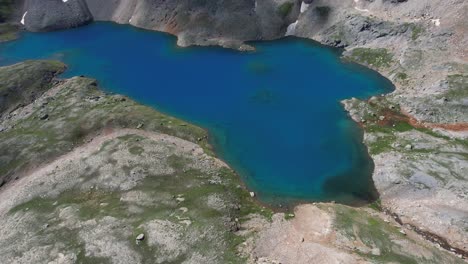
(421, 47)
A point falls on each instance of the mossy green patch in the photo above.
(284, 9)
(378, 58)
(458, 87)
(136, 150)
(92, 204)
(382, 144)
(376, 205)
(373, 232)
(416, 31)
(401, 76)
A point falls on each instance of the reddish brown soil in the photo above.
(459, 127)
(393, 117)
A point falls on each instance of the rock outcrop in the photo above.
(46, 15)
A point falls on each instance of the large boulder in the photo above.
(47, 15)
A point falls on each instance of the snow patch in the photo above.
(291, 29)
(436, 22)
(304, 7)
(24, 16)
(362, 10)
(64, 1)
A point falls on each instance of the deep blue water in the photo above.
(274, 114)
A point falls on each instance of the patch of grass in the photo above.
(44, 205)
(89, 204)
(458, 87)
(402, 126)
(378, 58)
(382, 144)
(136, 150)
(177, 162)
(376, 205)
(373, 232)
(416, 32)
(401, 76)
(284, 9)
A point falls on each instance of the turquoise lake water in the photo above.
(273, 115)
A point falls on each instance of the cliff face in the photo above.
(225, 22)
(45, 15)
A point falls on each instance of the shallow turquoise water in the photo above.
(274, 115)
